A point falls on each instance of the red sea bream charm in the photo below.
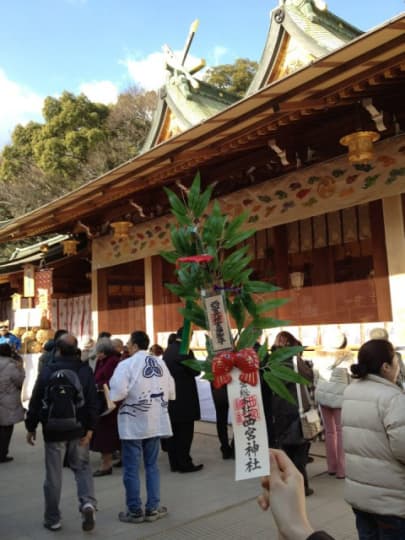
(248, 362)
(222, 365)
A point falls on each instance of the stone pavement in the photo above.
(202, 506)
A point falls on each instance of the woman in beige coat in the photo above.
(374, 443)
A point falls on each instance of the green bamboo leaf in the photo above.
(181, 291)
(182, 218)
(175, 203)
(169, 256)
(278, 387)
(237, 239)
(193, 364)
(287, 374)
(208, 376)
(194, 192)
(232, 227)
(232, 274)
(283, 353)
(248, 337)
(196, 315)
(263, 352)
(243, 277)
(249, 304)
(203, 201)
(237, 311)
(214, 224)
(259, 287)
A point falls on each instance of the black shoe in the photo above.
(6, 459)
(173, 468)
(88, 517)
(310, 459)
(102, 472)
(118, 464)
(228, 454)
(308, 492)
(191, 468)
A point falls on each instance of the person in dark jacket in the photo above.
(48, 355)
(287, 426)
(184, 410)
(221, 404)
(76, 441)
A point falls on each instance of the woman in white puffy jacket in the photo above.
(331, 379)
(374, 443)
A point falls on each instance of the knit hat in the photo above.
(379, 333)
(333, 339)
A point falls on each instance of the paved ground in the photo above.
(204, 505)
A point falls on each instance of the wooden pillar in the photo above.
(380, 261)
(94, 303)
(395, 246)
(149, 322)
(281, 256)
(102, 301)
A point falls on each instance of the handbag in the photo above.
(104, 403)
(311, 423)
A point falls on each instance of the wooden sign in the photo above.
(29, 281)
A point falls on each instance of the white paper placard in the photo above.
(249, 429)
(27, 317)
(221, 337)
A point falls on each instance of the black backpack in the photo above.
(63, 396)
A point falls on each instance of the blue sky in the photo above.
(101, 47)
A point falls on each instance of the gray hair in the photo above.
(105, 345)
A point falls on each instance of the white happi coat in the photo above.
(144, 386)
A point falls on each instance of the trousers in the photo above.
(335, 456)
(377, 527)
(78, 459)
(5, 437)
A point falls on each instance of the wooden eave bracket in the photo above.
(376, 115)
(282, 154)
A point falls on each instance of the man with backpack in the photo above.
(64, 400)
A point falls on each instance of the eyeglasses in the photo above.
(3, 326)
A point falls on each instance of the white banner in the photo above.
(249, 429)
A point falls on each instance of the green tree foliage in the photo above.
(234, 78)
(78, 141)
(225, 265)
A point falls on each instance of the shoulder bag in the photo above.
(310, 420)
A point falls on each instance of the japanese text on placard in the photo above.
(247, 414)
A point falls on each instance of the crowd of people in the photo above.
(128, 402)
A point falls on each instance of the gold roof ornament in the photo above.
(70, 246)
(360, 145)
(121, 229)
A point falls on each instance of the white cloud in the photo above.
(218, 52)
(149, 72)
(18, 105)
(100, 91)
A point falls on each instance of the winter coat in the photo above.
(186, 406)
(287, 426)
(332, 377)
(11, 381)
(87, 415)
(373, 418)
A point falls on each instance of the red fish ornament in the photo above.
(222, 365)
(248, 362)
